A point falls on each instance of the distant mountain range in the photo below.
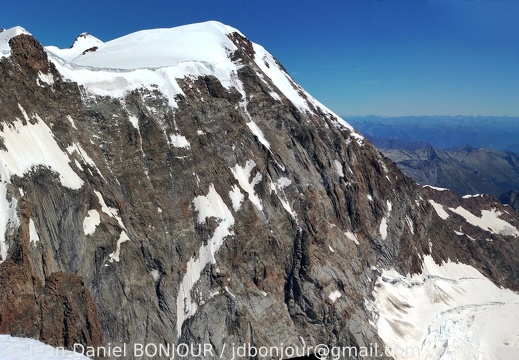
(468, 155)
(465, 171)
(443, 132)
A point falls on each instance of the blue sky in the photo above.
(358, 57)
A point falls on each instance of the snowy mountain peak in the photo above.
(6, 35)
(203, 42)
(12, 32)
(85, 39)
(174, 174)
(159, 57)
(84, 43)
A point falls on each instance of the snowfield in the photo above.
(15, 348)
(32, 145)
(5, 36)
(447, 312)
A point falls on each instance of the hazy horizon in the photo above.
(432, 115)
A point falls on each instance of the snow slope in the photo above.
(83, 43)
(488, 221)
(15, 348)
(448, 312)
(32, 145)
(7, 35)
(205, 42)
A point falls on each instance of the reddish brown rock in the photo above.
(68, 313)
(27, 50)
(20, 312)
(58, 311)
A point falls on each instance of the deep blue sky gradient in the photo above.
(384, 57)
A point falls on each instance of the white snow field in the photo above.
(15, 348)
(5, 36)
(447, 312)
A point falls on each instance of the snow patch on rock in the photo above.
(76, 147)
(352, 237)
(179, 141)
(208, 206)
(383, 228)
(258, 133)
(91, 221)
(45, 79)
(134, 120)
(8, 219)
(410, 224)
(33, 234)
(71, 121)
(110, 211)
(440, 210)
(243, 175)
(435, 188)
(334, 296)
(338, 168)
(277, 187)
(115, 256)
(31, 145)
(489, 221)
(236, 197)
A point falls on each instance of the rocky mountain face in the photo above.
(453, 310)
(235, 210)
(486, 230)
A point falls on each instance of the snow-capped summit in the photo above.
(85, 39)
(83, 44)
(204, 42)
(159, 57)
(7, 35)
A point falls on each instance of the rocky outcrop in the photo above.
(27, 51)
(57, 310)
(510, 198)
